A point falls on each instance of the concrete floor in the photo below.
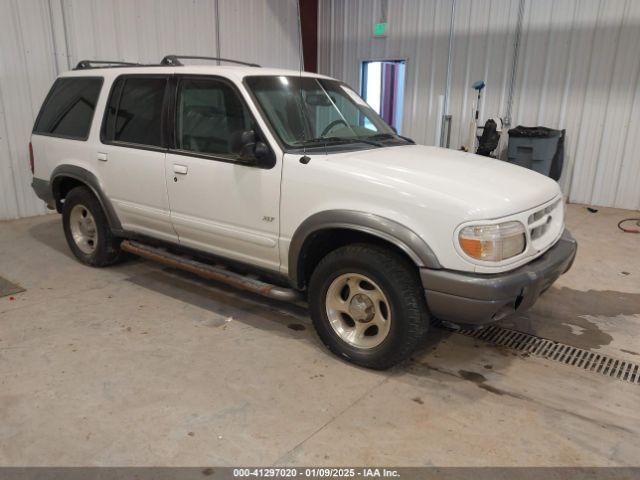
(140, 365)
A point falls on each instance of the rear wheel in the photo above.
(367, 305)
(87, 230)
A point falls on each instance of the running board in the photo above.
(210, 272)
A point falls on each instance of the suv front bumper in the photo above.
(479, 299)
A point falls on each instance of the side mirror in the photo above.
(251, 149)
(246, 144)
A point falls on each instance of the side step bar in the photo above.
(211, 272)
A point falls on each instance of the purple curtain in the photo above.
(389, 81)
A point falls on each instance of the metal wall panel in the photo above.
(26, 72)
(260, 31)
(580, 72)
(40, 38)
(483, 37)
(138, 31)
(578, 69)
(418, 32)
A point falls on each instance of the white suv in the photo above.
(294, 184)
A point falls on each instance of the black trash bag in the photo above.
(536, 132)
(488, 141)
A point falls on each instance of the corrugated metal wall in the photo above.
(418, 32)
(39, 38)
(578, 69)
(27, 68)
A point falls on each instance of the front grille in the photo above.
(539, 231)
(545, 224)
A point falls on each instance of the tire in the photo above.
(376, 333)
(87, 230)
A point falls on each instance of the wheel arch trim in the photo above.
(384, 228)
(91, 181)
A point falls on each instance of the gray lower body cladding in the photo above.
(49, 192)
(42, 189)
(475, 299)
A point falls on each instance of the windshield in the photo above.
(308, 111)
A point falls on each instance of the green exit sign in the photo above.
(380, 29)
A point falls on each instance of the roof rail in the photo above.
(84, 64)
(174, 60)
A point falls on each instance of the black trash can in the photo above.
(537, 148)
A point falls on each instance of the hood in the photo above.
(483, 187)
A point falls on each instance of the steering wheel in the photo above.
(333, 124)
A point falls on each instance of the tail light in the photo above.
(31, 163)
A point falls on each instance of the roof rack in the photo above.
(174, 60)
(168, 60)
(84, 64)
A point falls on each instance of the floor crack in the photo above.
(331, 420)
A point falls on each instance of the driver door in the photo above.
(219, 204)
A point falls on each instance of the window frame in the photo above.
(173, 115)
(50, 95)
(164, 119)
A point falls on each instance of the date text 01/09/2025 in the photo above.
(322, 472)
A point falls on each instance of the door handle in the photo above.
(181, 169)
(102, 156)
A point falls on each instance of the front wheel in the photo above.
(367, 305)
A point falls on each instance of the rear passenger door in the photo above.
(219, 204)
(132, 154)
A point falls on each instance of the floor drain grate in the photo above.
(558, 352)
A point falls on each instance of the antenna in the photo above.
(300, 49)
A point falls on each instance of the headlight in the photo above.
(493, 243)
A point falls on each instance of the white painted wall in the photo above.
(40, 38)
(578, 69)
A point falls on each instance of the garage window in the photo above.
(68, 109)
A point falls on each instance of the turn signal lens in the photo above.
(493, 243)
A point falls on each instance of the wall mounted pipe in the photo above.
(514, 65)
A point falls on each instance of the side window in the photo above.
(281, 103)
(209, 115)
(134, 112)
(68, 109)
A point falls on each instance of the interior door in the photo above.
(131, 158)
(219, 204)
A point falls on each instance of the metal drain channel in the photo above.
(558, 352)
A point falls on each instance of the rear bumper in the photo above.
(475, 299)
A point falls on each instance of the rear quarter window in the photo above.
(69, 107)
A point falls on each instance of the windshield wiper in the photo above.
(340, 140)
(390, 136)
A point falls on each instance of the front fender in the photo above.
(389, 230)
